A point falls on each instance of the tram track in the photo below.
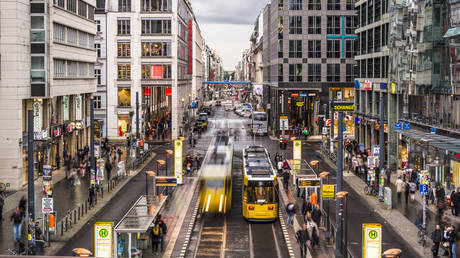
(212, 236)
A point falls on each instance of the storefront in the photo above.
(124, 124)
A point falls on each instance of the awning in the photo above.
(439, 141)
(452, 32)
(141, 215)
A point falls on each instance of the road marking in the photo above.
(251, 246)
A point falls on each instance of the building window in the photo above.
(98, 49)
(333, 72)
(314, 49)
(370, 41)
(124, 97)
(377, 9)
(333, 4)
(377, 36)
(97, 101)
(124, 49)
(83, 69)
(124, 5)
(155, 5)
(59, 68)
(97, 73)
(82, 39)
(72, 35)
(350, 48)
(295, 24)
(314, 72)
(82, 11)
(165, 71)
(295, 4)
(59, 3)
(37, 69)
(280, 5)
(59, 32)
(295, 72)
(280, 48)
(314, 4)
(156, 26)
(72, 5)
(98, 25)
(314, 24)
(280, 27)
(333, 24)
(370, 68)
(91, 12)
(350, 72)
(363, 43)
(280, 72)
(71, 69)
(124, 71)
(350, 24)
(333, 48)
(350, 4)
(377, 67)
(156, 49)
(370, 13)
(124, 27)
(295, 48)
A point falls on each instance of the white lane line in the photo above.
(251, 246)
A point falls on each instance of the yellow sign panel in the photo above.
(166, 181)
(103, 239)
(393, 88)
(178, 161)
(307, 182)
(297, 149)
(299, 103)
(283, 117)
(328, 191)
(372, 238)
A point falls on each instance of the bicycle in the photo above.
(370, 190)
(421, 235)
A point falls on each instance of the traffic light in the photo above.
(283, 144)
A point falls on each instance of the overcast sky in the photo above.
(226, 25)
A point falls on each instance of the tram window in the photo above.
(260, 190)
(215, 183)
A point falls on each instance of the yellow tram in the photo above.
(216, 177)
(260, 191)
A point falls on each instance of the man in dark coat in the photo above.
(436, 236)
(316, 215)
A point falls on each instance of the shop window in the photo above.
(166, 71)
(156, 49)
(124, 49)
(124, 97)
(123, 124)
(124, 71)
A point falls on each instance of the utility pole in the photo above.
(30, 165)
(382, 147)
(339, 202)
(137, 115)
(91, 140)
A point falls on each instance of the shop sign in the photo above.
(423, 189)
(357, 120)
(398, 125)
(168, 92)
(356, 84)
(78, 125)
(78, 108)
(308, 182)
(156, 73)
(47, 173)
(372, 238)
(457, 155)
(383, 86)
(367, 85)
(297, 150)
(406, 126)
(66, 103)
(284, 123)
(311, 94)
(69, 128)
(41, 135)
(343, 106)
(38, 122)
(294, 95)
(303, 95)
(299, 103)
(57, 131)
(103, 242)
(375, 150)
(178, 160)
(47, 205)
(393, 88)
(328, 122)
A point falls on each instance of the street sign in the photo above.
(375, 150)
(284, 123)
(433, 130)
(165, 181)
(406, 126)
(398, 126)
(47, 173)
(103, 239)
(47, 205)
(343, 106)
(328, 192)
(372, 238)
(423, 189)
(308, 182)
(178, 160)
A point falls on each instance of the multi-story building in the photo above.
(149, 54)
(47, 65)
(100, 97)
(308, 50)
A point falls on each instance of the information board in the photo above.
(284, 123)
(178, 161)
(165, 181)
(328, 192)
(47, 205)
(103, 234)
(372, 240)
(308, 182)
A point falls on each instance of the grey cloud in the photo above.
(227, 11)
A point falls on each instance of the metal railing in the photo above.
(326, 222)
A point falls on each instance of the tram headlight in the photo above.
(220, 202)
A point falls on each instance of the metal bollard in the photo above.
(102, 192)
(79, 212)
(75, 216)
(70, 219)
(62, 227)
(66, 222)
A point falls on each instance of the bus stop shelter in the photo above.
(131, 233)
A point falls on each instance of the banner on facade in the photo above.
(66, 104)
(78, 108)
(178, 160)
(156, 72)
(38, 118)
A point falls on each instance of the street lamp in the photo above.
(394, 252)
(147, 174)
(314, 163)
(342, 213)
(324, 175)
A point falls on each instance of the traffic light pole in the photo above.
(339, 202)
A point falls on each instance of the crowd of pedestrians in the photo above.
(157, 235)
(158, 129)
(445, 237)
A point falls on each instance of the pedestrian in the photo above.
(455, 200)
(445, 240)
(316, 214)
(306, 133)
(2, 202)
(399, 188)
(440, 199)
(164, 230)
(120, 153)
(388, 175)
(303, 239)
(108, 169)
(277, 157)
(189, 169)
(155, 237)
(91, 195)
(412, 189)
(22, 204)
(67, 166)
(306, 207)
(279, 165)
(286, 177)
(453, 238)
(291, 211)
(58, 161)
(436, 236)
(17, 217)
(312, 229)
(198, 161)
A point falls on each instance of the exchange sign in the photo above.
(343, 106)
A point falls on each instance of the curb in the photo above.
(61, 241)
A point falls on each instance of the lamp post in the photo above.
(168, 152)
(342, 216)
(392, 253)
(160, 163)
(147, 174)
(325, 175)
